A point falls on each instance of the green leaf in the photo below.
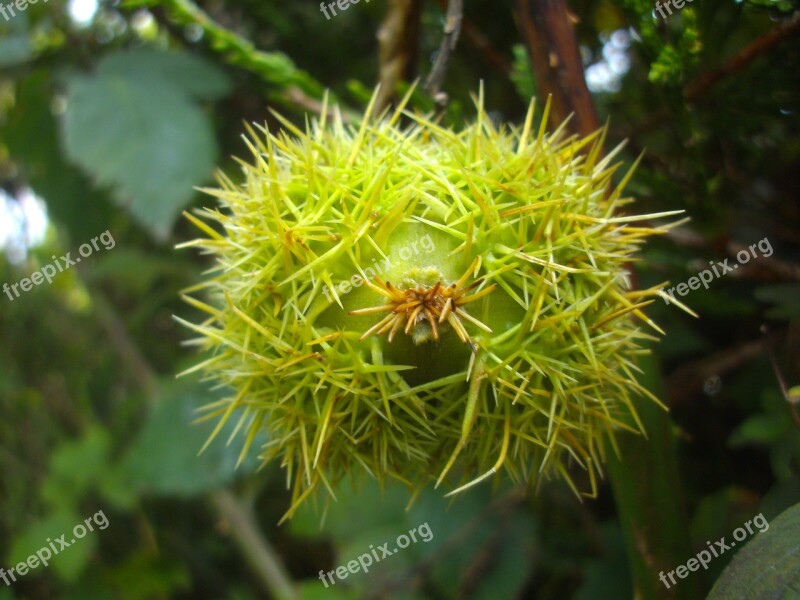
(15, 46)
(144, 137)
(198, 78)
(145, 575)
(318, 591)
(75, 467)
(15, 49)
(521, 74)
(759, 429)
(164, 459)
(768, 566)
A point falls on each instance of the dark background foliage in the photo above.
(111, 121)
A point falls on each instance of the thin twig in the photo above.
(244, 527)
(482, 43)
(760, 46)
(257, 551)
(452, 28)
(701, 84)
(127, 349)
(782, 384)
(690, 377)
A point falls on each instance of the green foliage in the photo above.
(145, 99)
(164, 459)
(767, 566)
(112, 122)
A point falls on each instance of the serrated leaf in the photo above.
(144, 137)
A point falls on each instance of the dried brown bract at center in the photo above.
(423, 309)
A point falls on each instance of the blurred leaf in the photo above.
(767, 566)
(142, 135)
(15, 49)
(521, 74)
(68, 562)
(199, 78)
(338, 524)
(16, 46)
(145, 575)
(164, 458)
(760, 429)
(134, 271)
(505, 565)
(318, 591)
(75, 467)
(775, 428)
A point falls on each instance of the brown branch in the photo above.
(452, 28)
(701, 84)
(398, 41)
(761, 45)
(689, 378)
(547, 29)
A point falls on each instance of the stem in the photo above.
(257, 551)
(275, 68)
(246, 533)
(452, 28)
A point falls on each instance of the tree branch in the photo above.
(256, 549)
(398, 40)
(547, 29)
(452, 28)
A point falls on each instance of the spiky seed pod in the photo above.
(412, 302)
